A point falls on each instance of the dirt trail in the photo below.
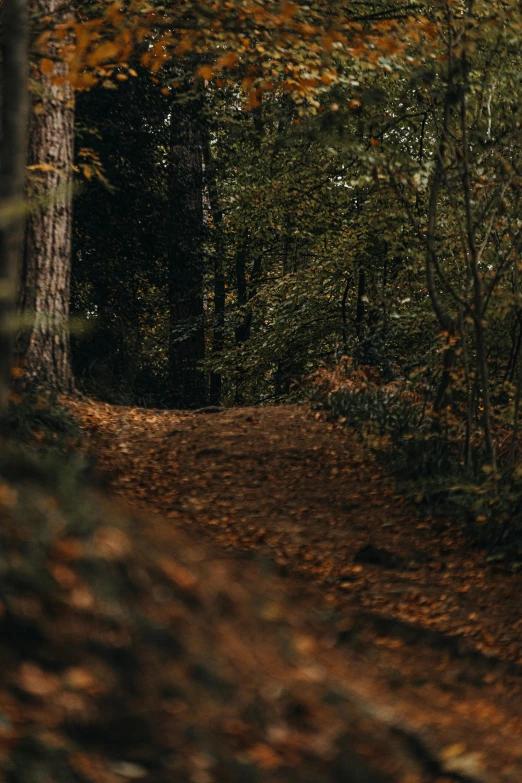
(433, 632)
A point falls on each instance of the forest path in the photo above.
(415, 601)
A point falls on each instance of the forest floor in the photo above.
(430, 629)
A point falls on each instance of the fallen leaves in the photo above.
(112, 543)
(255, 479)
(303, 493)
(36, 681)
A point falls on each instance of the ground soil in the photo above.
(432, 632)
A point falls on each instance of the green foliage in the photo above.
(392, 421)
(377, 406)
(380, 221)
(42, 477)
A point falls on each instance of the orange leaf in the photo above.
(180, 575)
(112, 543)
(287, 11)
(105, 52)
(34, 680)
(253, 100)
(46, 66)
(265, 756)
(8, 495)
(83, 81)
(227, 60)
(78, 679)
(185, 45)
(205, 72)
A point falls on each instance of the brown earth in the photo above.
(431, 633)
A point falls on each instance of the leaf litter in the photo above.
(265, 608)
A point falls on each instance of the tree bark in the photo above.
(344, 314)
(218, 333)
(446, 321)
(14, 53)
(43, 346)
(359, 315)
(186, 266)
(478, 284)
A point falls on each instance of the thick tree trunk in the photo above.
(43, 346)
(14, 58)
(186, 266)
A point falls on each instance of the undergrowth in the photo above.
(40, 458)
(425, 453)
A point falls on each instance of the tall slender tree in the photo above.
(186, 264)
(43, 346)
(219, 249)
(14, 36)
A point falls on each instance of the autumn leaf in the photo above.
(45, 167)
(206, 72)
(105, 52)
(228, 60)
(253, 99)
(46, 66)
(36, 681)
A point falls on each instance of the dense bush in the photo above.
(424, 451)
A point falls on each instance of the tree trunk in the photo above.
(359, 315)
(218, 333)
(186, 266)
(14, 55)
(43, 346)
(478, 284)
